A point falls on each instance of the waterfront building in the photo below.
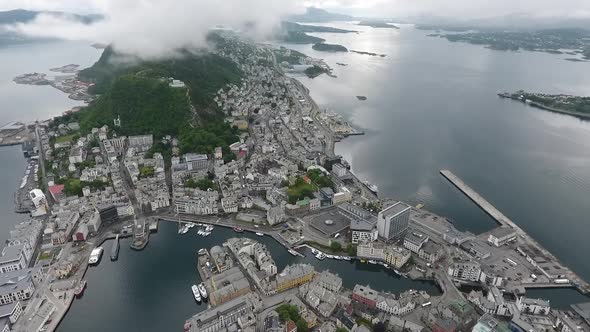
(365, 295)
(396, 257)
(414, 241)
(533, 306)
(233, 315)
(501, 235)
(329, 281)
(430, 252)
(490, 277)
(294, 276)
(19, 285)
(563, 323)
(10, 313)
(275, 215)
(221, 258)
(227, 286)
(398, 306)
(393, 221)
(12, 259)
(373, 251)
(467, 271)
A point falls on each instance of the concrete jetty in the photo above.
(480, 201)
(575, 280)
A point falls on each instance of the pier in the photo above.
(115, 249)
(575, 281)
(480, 201)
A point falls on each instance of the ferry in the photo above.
(371, 187)
(95, 255)
(238, 229)
(320, 255)
(79, 291)
(259, 234)
(202, 290)
(196, 293)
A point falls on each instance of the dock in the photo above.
(480, 201)
(115, 249)
(576, 281)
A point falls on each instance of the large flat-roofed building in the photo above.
(196, 162)
(468, 271)
(414, 241)
(228, 285)
(18, 285)
(12, 259)
(233, 315)
(393, 221)
(501, 235)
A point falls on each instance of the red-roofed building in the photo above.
(306, 179)
(290, 326)
(57, 192)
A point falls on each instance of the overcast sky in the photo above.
(152, 28)
(394, 8)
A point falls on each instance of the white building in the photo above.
(370, 251)
(275, 215)
(393, 306)
(393, 221)
(12, 259)
(533, 306)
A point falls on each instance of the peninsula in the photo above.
(565, 104)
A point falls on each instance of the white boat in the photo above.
(346, 258)
(202, 290)
(293, 252)
(320, 256)
(386, 266)
(259, 234)
(196, 293)
(371, 187)
(206, 233)
(330, 256)
(338, 258)
(202, 252)
(95, 255)
(209, 228)
(313, 251)
(372, 262)
(191, 226)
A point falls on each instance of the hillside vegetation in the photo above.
(140, 95)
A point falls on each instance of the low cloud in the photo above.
(156, 28)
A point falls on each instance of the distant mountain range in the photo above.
(318, 15)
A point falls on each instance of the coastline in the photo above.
(582, 116)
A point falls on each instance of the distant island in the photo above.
(368, 53)
(566, 104)
(361, 98)
(323, 47)
(291, 26)
(316, 15)
(553, 41)
(377, 24)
